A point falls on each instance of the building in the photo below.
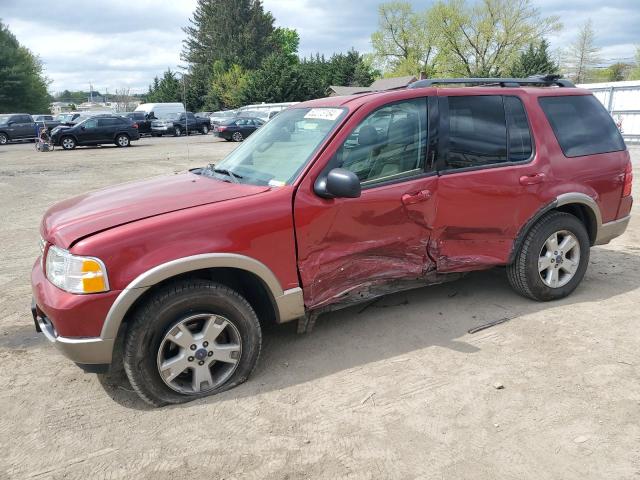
(391, 83)
(622, 101)
(59, 107)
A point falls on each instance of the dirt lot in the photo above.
(397, 390)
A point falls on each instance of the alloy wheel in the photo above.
(559, 259)
(199, 353)
(237, 137)
(123, 141)
(68, 143)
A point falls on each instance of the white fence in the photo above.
(622, 100)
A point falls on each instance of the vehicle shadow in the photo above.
(396, 324)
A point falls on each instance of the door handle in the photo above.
(413, 198)
(532, 179)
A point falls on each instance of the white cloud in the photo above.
(127, 43)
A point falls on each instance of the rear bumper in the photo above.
(610, 230)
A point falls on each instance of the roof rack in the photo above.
(541, 80)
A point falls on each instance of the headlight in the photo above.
(75, 274)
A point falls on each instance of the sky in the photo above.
(124, 44)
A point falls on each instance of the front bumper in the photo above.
(73, 323)
(83, 351)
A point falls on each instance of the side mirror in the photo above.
(339, 183)
(83, 127)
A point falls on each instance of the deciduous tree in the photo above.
(582, 55)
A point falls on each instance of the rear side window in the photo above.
(582, 125)
(520, 146)
(477, 131)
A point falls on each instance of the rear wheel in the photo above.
(190, 340)
(4, 139)
(237, 137)
(122, 140)
(553, 258)
(68, 143)
(205, 129)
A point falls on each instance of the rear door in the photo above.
(351, 249)
(489, 180)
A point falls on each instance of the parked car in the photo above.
(217, 117)
(17, 126)
(67, 118)
(178, 123)
(237, 129)
(141, 119)
(334, 202)
(155, 111)
(96, 130)
(42, 118)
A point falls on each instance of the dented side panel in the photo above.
(347, 246)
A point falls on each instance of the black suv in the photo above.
(96, 130)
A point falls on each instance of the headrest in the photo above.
(368, 135)
(401, 132)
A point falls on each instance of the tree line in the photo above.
(234, 55)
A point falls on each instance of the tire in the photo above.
(177, 131)
(68, 143)
(237, 137)
(4, 139)
(123, 140)
(205, 130)
(543, 275)
(163, 317)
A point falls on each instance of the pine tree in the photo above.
(23, 87)
(535, 60)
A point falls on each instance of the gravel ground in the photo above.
(396, 390)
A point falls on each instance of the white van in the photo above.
(264, 111)
(159, 110)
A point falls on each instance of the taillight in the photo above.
(221, 128)
(135, 125)
(628, 180)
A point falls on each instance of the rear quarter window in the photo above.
(581, 125)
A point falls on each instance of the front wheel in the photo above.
(190, 340)
(4, 139)
(68, 143)
(205, 129)
(122, 140)
(553, 258)
(177, 132)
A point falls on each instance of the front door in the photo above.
(350, 249)
(89, 132)
(489, 180)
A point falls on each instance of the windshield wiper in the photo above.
(233, 176)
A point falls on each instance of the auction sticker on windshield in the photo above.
(323, 113)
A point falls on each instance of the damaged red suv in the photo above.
(333, 202)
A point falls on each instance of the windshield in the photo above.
(276, 153)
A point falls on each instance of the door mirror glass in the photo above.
(339, 183)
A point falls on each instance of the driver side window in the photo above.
(389, 144)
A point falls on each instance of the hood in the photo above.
(75, 218)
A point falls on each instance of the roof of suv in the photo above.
(536, 86)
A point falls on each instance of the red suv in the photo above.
(333, 202)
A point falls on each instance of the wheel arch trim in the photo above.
(289, 303)
(560, 200)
